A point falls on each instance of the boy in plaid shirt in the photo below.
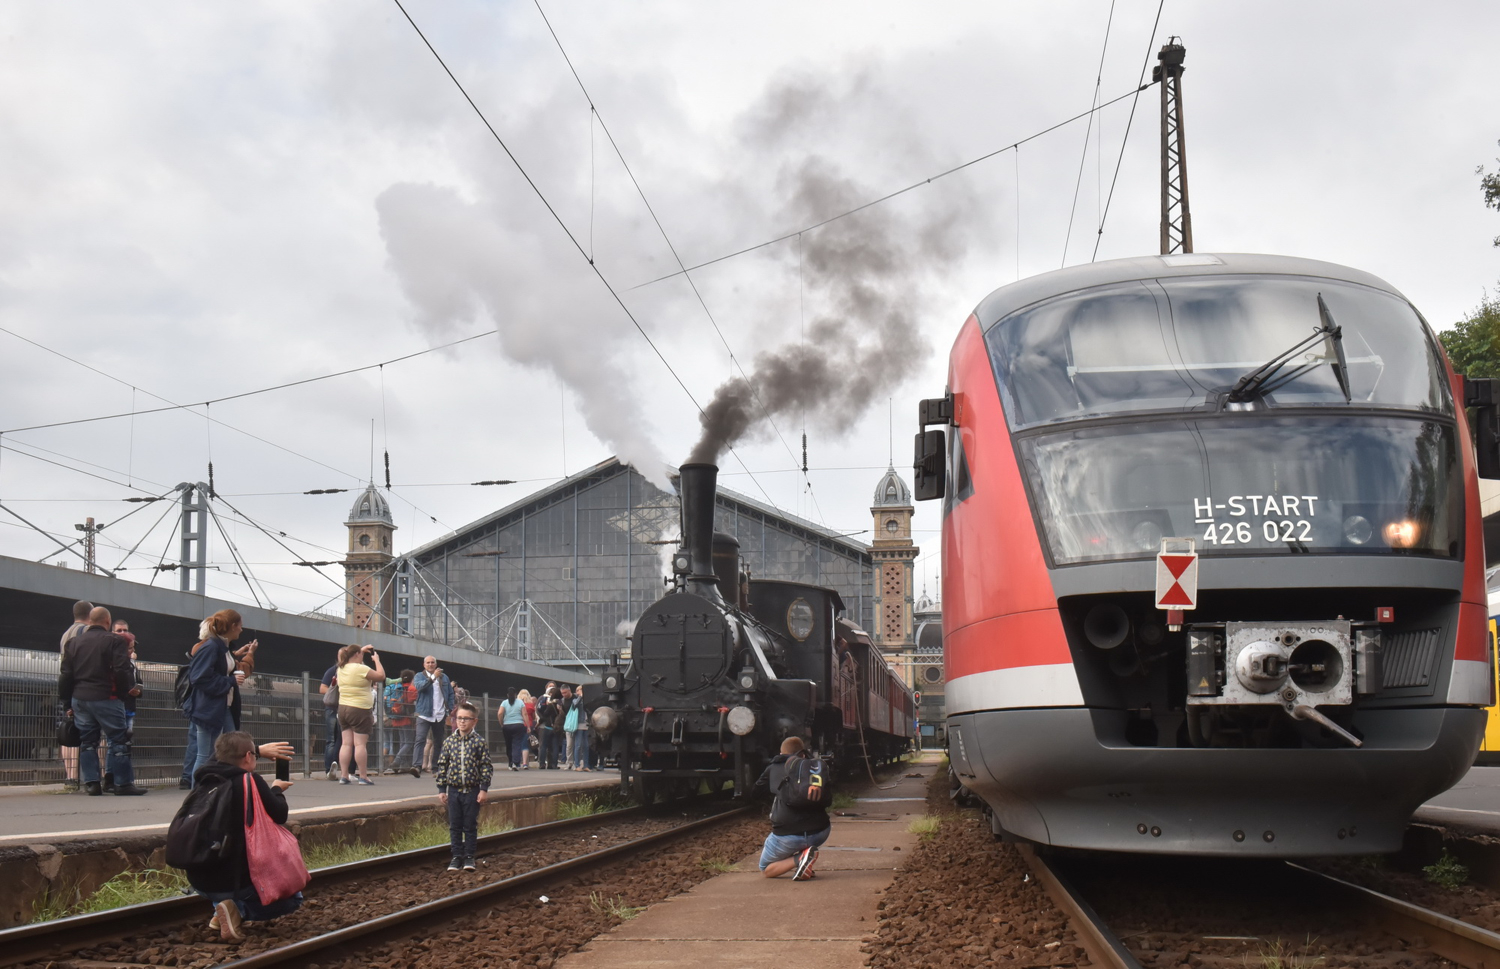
(463, 783)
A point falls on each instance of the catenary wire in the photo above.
(898, 192)
(1151, 42)
(564, 226)
(1098, 82)
(650, 209)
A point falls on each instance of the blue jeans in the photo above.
(335, 738)
(439, 731)
(190, 755)
(247, 900)
(107, 716)
(515, 742)
(463, 823)
(578, 749)
(401, 742)
(207, 737)
(546, 754)
(779, 846)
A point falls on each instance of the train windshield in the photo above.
(1248, 486)
(1181, 344)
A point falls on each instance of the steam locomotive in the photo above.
(1298, 427)
(724, 668)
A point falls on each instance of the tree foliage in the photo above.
(1473, 344)
(1490, 186)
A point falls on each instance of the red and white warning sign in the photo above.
(1177, 575)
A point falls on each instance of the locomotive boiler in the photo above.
(724, 667)
(1296, 425)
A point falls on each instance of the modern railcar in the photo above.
(1297, 423)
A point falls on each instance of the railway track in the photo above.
(46, 942)
(1403, 925)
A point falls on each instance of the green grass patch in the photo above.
(614, 907)
(584, 805)
(1447, 871)
(126, 888)
(426, 833)
(843, 801)
(716, 865)
(1280, 954)
(927, 826)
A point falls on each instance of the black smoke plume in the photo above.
(866, 273)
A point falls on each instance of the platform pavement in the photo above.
(742, 918)
(1473, 802)
(46, 818)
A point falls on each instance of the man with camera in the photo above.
(435, 703)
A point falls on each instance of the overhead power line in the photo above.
(733, 358)
(900, 191)
(1098, 83)
(564, 227)
(217, 400)
(1150, 46)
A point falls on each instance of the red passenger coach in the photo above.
(1296, 424)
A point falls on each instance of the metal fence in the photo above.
(272, 708)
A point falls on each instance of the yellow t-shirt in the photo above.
(354, 686)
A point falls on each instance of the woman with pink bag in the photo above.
(261, 873)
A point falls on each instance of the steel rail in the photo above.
(363, 931)
(41, 940)
(1097, 939)
(1453, 939)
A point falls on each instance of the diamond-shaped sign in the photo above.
(1177, 580)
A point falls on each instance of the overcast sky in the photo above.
(206, 199)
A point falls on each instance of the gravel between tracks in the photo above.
(1476, 904)
(964, 899)
(333, 906)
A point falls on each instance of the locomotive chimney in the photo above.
(698, 485)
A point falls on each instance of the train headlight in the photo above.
(1357, 529)
(799, 619)
(747, 680)
(605, 719)
(741, 721)
(1402, 534)
(611, 682)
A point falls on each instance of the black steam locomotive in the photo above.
(725, 667)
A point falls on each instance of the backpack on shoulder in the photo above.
(182, 688)
(802, 784)
(395, 700)
(201, 832)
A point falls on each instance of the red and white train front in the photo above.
(1295, 420)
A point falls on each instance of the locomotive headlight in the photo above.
(747, 680)
(611, 682)
(682, 563)
(741, 721)
(605, 719)
(799, 619)
(1357, 529)
(1402, 534)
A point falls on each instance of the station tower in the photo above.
(894, 556)
(369, 578)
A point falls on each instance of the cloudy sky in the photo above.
(203, 200)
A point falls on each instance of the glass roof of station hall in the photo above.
(612, 466)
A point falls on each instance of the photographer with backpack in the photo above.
(799, 814)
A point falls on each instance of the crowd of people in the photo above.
(99, 685)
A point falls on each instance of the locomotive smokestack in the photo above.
(698, 484)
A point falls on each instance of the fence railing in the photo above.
(285, 708)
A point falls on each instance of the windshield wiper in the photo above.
(1272, 375)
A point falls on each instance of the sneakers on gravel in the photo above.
(228, 916)
(804, 869)
(454, 865)
(469, 865)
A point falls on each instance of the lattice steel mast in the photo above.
(1176, 219)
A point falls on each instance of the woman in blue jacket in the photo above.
(216, 683)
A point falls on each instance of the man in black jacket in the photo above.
(796, 833)
(226, 883)
(94, 666)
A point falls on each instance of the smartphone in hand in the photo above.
(283, 770)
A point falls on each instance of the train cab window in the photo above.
(1174, 344)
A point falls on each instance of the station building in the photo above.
(559, 576)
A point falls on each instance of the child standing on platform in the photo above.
(463, 783)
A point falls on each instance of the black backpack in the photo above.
(201, 833)
(802, 784)
(182, 687)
